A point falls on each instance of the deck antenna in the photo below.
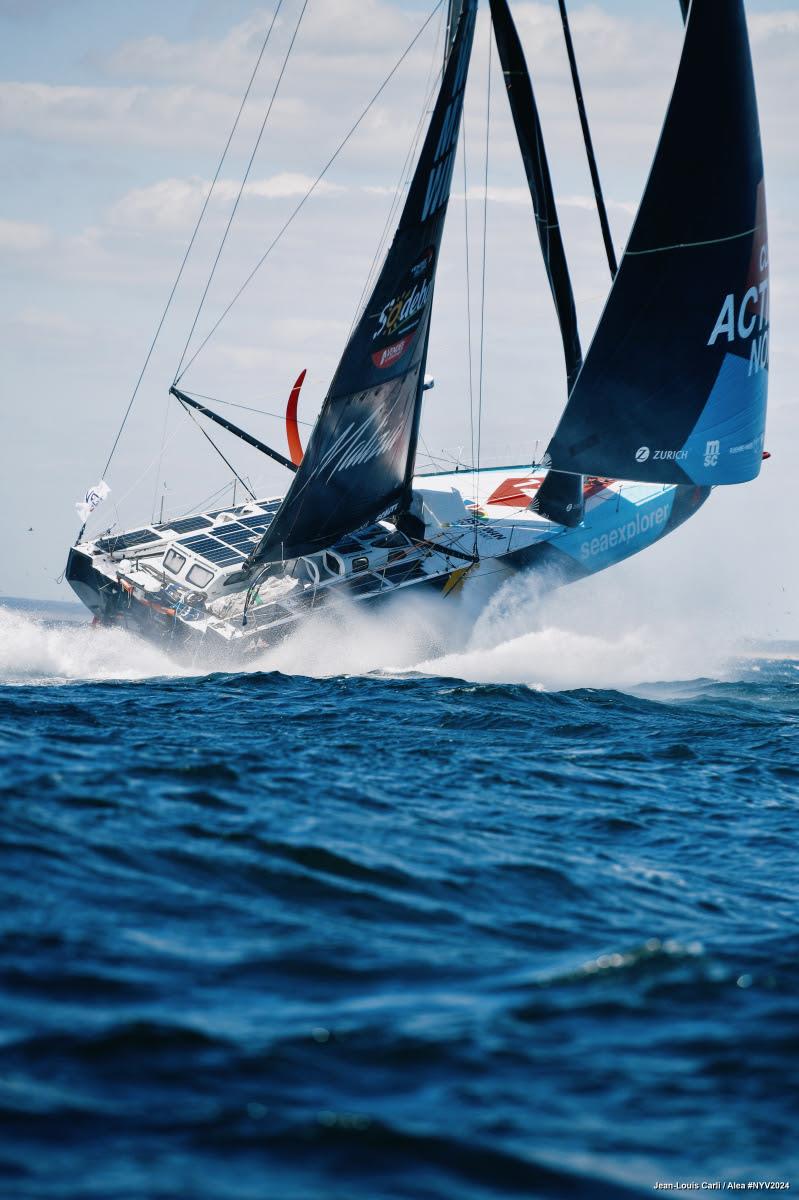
(589, 145)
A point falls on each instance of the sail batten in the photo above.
(360, 454)
(673, 388)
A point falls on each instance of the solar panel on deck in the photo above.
(210, 548)
(122, 541)
(223, 555)
(236, 535)
(262, 521)
(187, 524)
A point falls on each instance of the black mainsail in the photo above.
(673, 389)
(360, 454)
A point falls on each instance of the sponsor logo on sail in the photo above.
(643, 453)
(401, 316)
(359, 444)
(756, 443)
(385, 357)
(746, 316)
(712, 451)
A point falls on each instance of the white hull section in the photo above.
(182, 582)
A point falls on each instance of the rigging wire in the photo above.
(430, 89)
(468, 287)
(157, 484)
(483, 289)
(602, 211)
(226, 461)
(246, 176)
(295, 212)
(192, 240)
(261, 412)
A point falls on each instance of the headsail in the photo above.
(673, 389)
(360, 453)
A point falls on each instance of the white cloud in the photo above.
(50, 322)
(175, 116)
(174, 204)
(23, 237)
(342, 30)
(763, 26)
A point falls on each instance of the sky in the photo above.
(112, 121)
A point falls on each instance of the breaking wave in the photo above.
(548, 641)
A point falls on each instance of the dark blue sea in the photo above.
(496, 922)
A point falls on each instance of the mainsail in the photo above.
(673, 389)
(360, 454)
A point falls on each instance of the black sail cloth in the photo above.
(673, 388)
(359, 458)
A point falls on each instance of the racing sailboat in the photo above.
(669, 402)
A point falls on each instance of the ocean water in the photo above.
(398, 913)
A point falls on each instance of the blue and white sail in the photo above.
(359, 460)
(673, 388)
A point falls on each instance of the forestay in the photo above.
(359, 457)
(673, 389)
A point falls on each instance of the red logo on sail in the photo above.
(390, 354)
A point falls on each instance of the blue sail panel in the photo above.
(673, 388)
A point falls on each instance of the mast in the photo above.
(453, 16)
(589, 145)
(560, 497)
(534, 156)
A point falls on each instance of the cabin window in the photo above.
(332, 564)
(361, 563)
(200, 576)
(174, 562)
